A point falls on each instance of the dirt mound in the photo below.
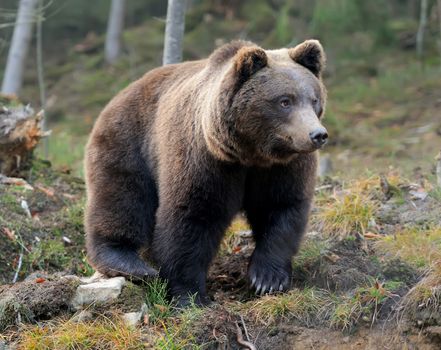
(36, 299)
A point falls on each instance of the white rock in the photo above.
(94, 278)
(101, 291)
(133, 318)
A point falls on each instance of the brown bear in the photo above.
(177, 154)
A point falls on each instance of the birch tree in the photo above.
(174, 31)
(439, 23)
(114, 30)
(21, 39)
(421, 29)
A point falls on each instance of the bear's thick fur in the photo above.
(177, 154)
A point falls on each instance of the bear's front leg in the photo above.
(277, 241)
(190, 222)
(277, 204)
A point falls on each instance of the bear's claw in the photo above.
(266, 277)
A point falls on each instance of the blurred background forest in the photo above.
(384, 93)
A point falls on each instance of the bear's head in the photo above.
(269, 103)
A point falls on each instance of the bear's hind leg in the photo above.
(120, 219)
(116, 259)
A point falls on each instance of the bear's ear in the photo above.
(311, 55)
(247, 61)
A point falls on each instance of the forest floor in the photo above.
(367, 276)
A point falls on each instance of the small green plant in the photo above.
(84, 268)
(160, 307)
(364, 303)
(436, 194)
(48, 253)
(75, 215)
(310, 252)
(178, 332)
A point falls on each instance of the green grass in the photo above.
(418, 247)
(310, 252)
(50, 253)
(306, 305)
(179, 332)
(66, 151)
(436, 194)
(347, 213)
(364, 304)
(100, 334)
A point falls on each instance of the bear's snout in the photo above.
(319, 137)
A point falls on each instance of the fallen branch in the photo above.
(16, 181)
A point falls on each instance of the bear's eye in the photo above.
(285, 102)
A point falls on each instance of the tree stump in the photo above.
(20, 132)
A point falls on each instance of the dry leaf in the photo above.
(332, 257)
(160, 307)
(47, 191)
(10, 234)
(371, 235)
(40, 280)
(237, 249)
(69, 196)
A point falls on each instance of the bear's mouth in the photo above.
(285, 138)
(283, 146)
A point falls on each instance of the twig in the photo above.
(20, 262)
(324, 187)
(241, 341)
(244, 328)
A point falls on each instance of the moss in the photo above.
(30, 301)
(131, 299)
(13, 312)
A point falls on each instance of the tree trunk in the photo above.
(20, 132)
(21, 39)
(421, 29)
(115, 27)
(439, 23)
(174, 31)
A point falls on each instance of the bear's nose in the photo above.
(319, 136)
